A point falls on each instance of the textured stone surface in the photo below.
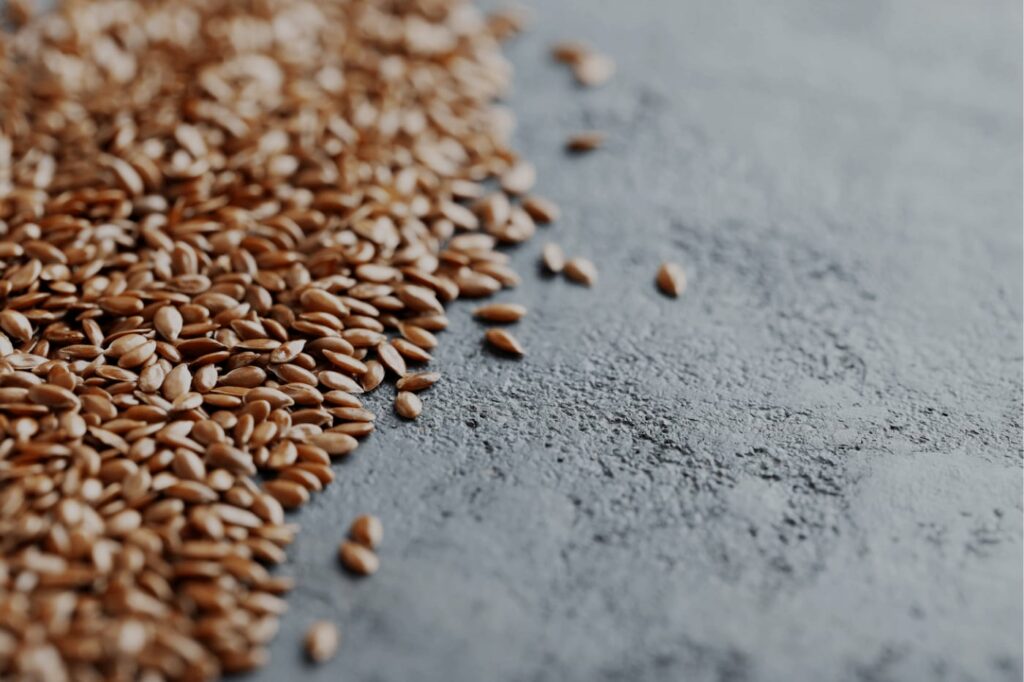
(808, 468)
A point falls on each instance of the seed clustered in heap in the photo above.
(221, 222)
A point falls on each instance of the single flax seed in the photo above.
(503, 341)
(408, 405)
(671, 279)
(322, 641)
(500, 312)
(581, 270)
(585, 141)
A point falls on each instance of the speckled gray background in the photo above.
(807, 469)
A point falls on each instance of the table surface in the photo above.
(809, 467)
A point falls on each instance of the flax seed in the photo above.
(581, 271)
(503, 341)
(671, 279)
(553, 258)
(391, 358)
(408, 405)
(418, 381)
(196, 287)
(357, 558)
(367, 530)
(586, 141)
(593, 69)
(542, 210)
(321, 641)
(500, 312)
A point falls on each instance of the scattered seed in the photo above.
(569, 51)
(586, 141)
(357, 558)
(541, 209)
(408, 405)
(552, 257)
(593, 69)
(581, 271)
(367, 530)
(500, 312)
(418, 381)
(322, 641)
(671, 279)
(503, 341)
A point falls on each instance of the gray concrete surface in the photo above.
(807, 469)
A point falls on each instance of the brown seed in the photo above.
(335, 444)
(322, 641)
(177, 382)
(569, 51)
(593, 69)
(318, 299)
(503, 341)
(391, 358)
(15, 324)
(408, 405)
(168, 322)
(374, 375)
(581, 271)
(541, 209)
(418, 335)
(367, 530)
(196, 289)
(500, 312)
(346, 363)
(418, 381)
(53, 396)
(357, 558)
(671, 279)
(520, 178)
(586, 141)
(552, 257)
(420, 299)
(137, 355)
(289, 493)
